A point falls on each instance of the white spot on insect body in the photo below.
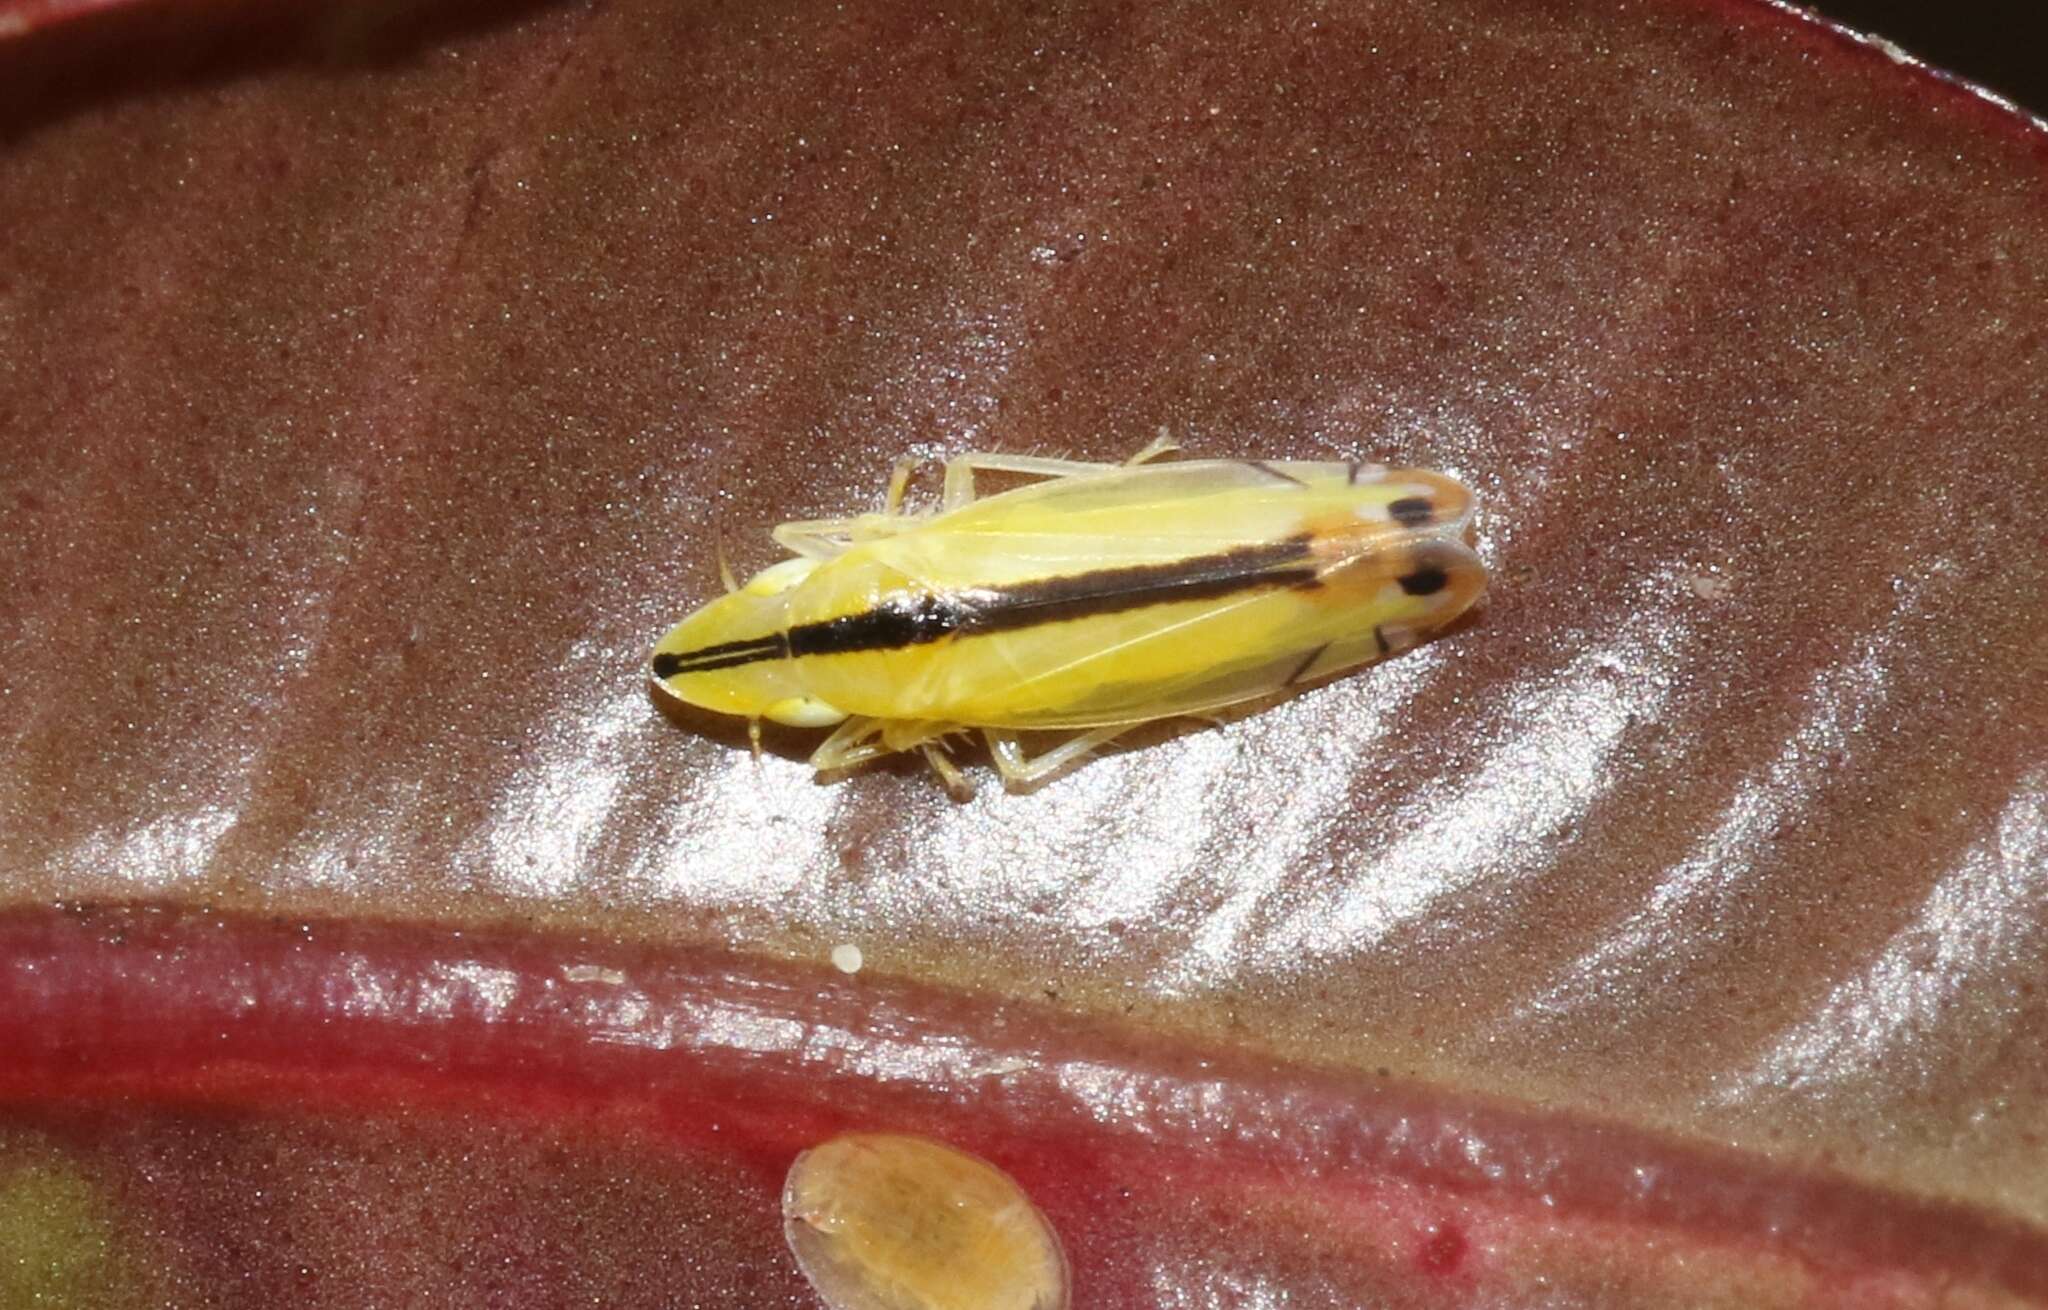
(846, 958)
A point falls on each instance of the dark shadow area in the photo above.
(144, 50)
(1996, 44)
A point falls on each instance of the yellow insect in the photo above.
(1099, 597)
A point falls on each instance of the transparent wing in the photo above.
(1195, 657)
(1141, 593)
(1158, 513)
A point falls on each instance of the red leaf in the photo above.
(371, 384)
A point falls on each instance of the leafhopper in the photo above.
(1097, 597)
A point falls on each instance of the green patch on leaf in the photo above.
(56, 1246)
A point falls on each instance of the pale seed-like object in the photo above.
(879, 1221)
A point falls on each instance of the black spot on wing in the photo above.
(1426, 580)
(1412, 511)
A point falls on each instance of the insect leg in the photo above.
(1022, 774)
(1159, 445)
(957, 785)
(960, 471)
(899, 482)
(928, 738)
(852, 742)
(823, 539)
(818, 539)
